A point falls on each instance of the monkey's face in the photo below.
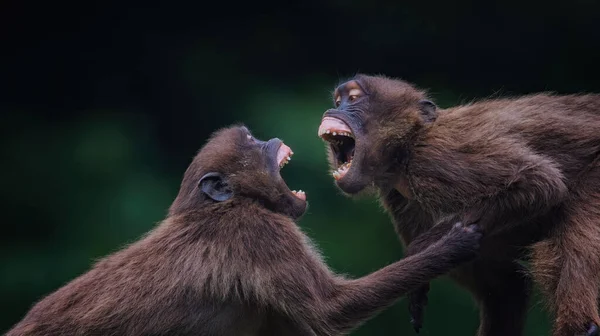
(369, 130)
(235, 166)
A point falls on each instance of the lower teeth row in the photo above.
(338, 172)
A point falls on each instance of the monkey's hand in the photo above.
(462, 245)
(417, 300)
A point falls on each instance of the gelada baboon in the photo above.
(526, 169)
(230, 260)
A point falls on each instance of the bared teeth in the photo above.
(300, 194)
(342, 170)
(286, 160)
(335, 133)
(284, 154)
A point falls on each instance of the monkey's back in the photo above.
(565, 129)
(176, 281)
(144, 289)
(476, 151)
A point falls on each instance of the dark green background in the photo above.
(104, 104)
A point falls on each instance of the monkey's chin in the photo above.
(351, 183)
(297, 209)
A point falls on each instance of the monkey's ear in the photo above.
(428, 110)
(214, 186)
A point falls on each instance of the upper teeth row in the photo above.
(334, 133)
(286, 160)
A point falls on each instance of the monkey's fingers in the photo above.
(416, 315)
(417, 300)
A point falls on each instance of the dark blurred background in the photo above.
(104, 104)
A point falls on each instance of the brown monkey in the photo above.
(527, 169)
(230, 260)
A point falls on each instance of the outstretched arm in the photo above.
(345, 304)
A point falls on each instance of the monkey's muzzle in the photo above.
(284, 155)
(341, 141)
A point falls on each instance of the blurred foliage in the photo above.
(103, 109)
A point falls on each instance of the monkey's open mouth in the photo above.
(342, 143)
(284, 155)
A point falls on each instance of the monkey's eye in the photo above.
(354, 94)
(250, 138)
(338, 102)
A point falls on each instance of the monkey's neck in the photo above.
(410, 220)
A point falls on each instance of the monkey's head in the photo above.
(235, 168)
(370, 130)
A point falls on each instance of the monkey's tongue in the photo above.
(284, 155)
(333, 126)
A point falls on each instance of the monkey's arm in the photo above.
(414, 225)
(494, 187)
(339, 305)
(418, 299)
(497, 189)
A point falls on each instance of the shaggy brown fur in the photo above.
(230, 260)
(527, 169)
